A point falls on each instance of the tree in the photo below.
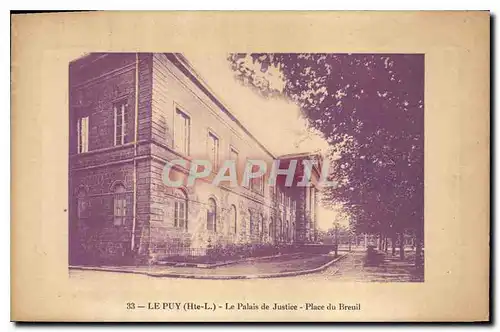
(369, 108)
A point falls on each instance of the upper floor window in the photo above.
(180, 210)
(182, 131)
(233, 155)
(120, 205)
(211, 215)
(120, 115)
(261, 183)
(213, 149)
(83, 134)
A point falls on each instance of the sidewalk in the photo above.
(279, 266)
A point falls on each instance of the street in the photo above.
(352, 268)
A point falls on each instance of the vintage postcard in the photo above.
(250, 166)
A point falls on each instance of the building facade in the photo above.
(130, 114)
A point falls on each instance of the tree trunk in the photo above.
(385, 244)
(402, 246)
(393, 244)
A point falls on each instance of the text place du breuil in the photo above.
(292, 307)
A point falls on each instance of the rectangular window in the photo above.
(234, 156)
(182, 132)
(83, 134)
(120, 209)
(247, 183)
(120, 118)
(180, 214)
(213, 150)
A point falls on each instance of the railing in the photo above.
(181, 251)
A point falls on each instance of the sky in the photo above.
(285, 130)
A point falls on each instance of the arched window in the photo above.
(180, 209)
(211, 215)
(81, 203)
(233, 220)
(120, 205)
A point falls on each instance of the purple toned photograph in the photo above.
(247, 165)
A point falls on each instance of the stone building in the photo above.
(131, 113)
